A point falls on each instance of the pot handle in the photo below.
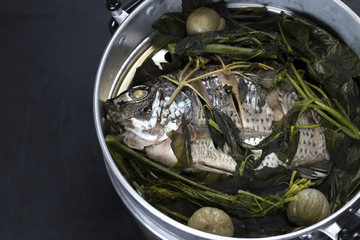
(349, 229)
(119, 14)
(349, 233)
(352, 229)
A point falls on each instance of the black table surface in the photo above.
(53, 181)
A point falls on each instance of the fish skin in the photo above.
(311, 159)
(144, 124)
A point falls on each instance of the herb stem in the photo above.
(307, 126)
(351, 132)
(255, 197)
(284, 38)
(243, 204)
(300, 80)
(348, 127)
(355, 133)
(296, 86)
(243, 163)
(175, 214)
(110, 140)
(320, 91)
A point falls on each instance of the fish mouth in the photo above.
(108, 105)
(111, 112)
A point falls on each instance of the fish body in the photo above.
(143, 121)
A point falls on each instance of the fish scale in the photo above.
(220, 99)
(207, 157)
(311, 147)
(258, 118)
(255, 117)
(312, 144)
(251, 117)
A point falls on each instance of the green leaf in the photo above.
(181, 144)
(172, 26)
(237, 44)
(231, 134)
(190, 5)
(243, 89)
(333, 64)
(215, 131)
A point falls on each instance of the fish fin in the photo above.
(249, 132)
(200, 167)
(231, 80)
(315, 171)
(201, 89)
(235, 100)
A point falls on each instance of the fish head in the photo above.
(140, 115)
(131, 114)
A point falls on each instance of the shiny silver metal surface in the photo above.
(134, 39)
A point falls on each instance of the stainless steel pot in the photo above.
(134, 40)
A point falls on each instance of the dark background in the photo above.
(53, 182)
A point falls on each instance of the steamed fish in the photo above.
(143, 119)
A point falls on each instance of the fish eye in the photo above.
(139, 94)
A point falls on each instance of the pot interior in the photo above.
(135, 41)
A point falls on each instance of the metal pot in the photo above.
(134, 40)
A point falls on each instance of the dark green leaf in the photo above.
(181, 144)
(243, 88)
(190, 5)
(239, 44)
(215, 132)
(172, 26)
(254, 18)
(333, 64)
(269, 225)
(230, 133)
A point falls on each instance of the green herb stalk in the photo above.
(157, 190)
(323, 108)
